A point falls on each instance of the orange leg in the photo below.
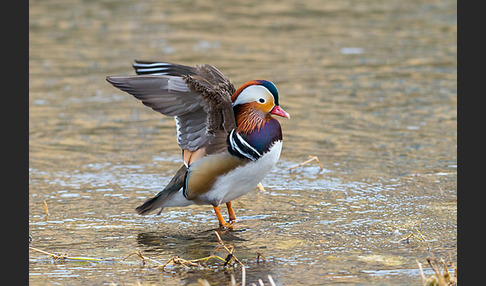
(222, 223)
(231, 212)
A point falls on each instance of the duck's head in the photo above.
(260, 96)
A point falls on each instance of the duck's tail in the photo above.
(163, 197)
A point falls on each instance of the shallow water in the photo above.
(371, 88)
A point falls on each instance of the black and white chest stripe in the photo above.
(239, 147)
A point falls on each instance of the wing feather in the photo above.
(198, 97)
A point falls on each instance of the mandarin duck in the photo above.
(228, 137)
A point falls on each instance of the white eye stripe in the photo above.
(253, 93)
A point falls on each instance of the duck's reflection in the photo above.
(187, 243)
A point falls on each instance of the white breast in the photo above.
(243, 179)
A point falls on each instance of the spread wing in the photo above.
(199, 98)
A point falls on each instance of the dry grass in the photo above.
(312, 158)
(441, 276)
(229, 260)
(46, 209)
(64, 256)
(417, 235)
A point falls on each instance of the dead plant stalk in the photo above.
(312, 158)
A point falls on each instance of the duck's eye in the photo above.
(261, 100)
